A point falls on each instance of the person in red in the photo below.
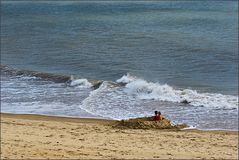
(156, 117)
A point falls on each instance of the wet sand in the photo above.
(43, 137)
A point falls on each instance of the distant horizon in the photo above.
(119, 0)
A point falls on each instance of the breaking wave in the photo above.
(82, 83)
(71, 80)
(163, 92)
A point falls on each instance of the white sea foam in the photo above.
(22, 77)
(126, 79)
(122, 102)
(83, 83)
(163, 92)
(190, 127)
(111, 102)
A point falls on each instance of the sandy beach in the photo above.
(49, 137)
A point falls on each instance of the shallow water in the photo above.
(128, 97)
(189, 45)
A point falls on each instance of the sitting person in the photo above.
(157, 116)
(160, 116)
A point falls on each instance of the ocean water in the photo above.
(149, 55)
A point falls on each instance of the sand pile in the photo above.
(147, 123)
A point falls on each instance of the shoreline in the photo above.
(90, 119)
(57, 118)
(27, 136)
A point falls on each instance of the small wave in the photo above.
(83, 83)
(189, 128)
(46, 76)
(69, 80)
(163, 92)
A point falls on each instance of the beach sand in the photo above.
(43, 137)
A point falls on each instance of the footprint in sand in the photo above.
(81, 139)
(51, 135)
(61, 136)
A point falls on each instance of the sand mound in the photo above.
(147, 123)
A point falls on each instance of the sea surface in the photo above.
(144, 56)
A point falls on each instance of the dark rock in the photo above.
(96, 84)
(185, 102)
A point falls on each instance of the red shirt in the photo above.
(156, 118)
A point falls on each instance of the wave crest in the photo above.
(163, 92)
(83, 83)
